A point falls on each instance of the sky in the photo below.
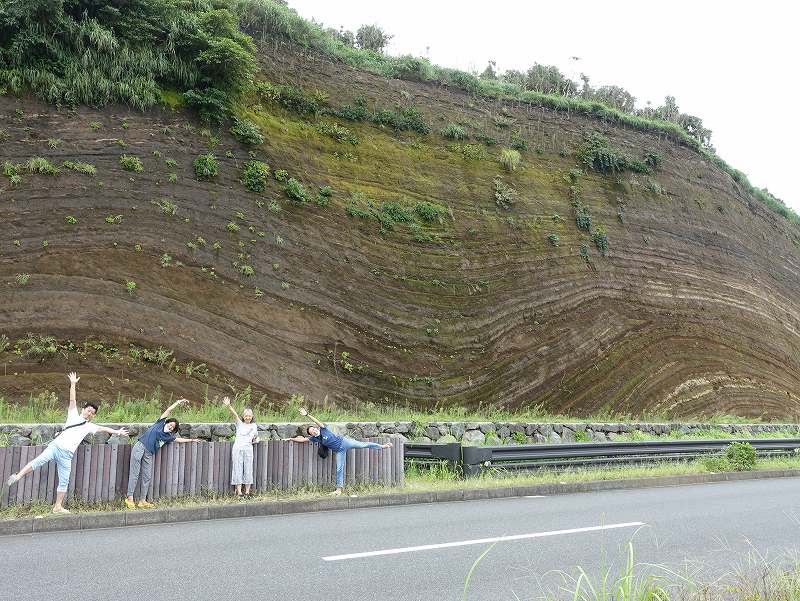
(730, 63)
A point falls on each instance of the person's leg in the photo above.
(236, 469)
(47, 455)
(341, 457)
(147, 476)
(64, 462)
(133, 473)
(360, 444)
(247, 472)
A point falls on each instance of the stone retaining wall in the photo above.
(466, 432)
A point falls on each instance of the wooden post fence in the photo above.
(100, 471)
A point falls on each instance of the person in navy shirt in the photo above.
(156, 436)
(338, 444)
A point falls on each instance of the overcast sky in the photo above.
(731, 63)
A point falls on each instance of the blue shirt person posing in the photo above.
(338, 444)
(162, 432)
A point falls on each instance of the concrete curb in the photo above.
(116, 519)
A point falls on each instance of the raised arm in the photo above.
(227, 402)
(304, 411)
(169, 409)
(120, 432)
(73, 398)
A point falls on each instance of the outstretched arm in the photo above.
(227, 402)
(304, 411)
(297, 439)
(179, 439)
(120, 432)
(169, 409)
(73, 399)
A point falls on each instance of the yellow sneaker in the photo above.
(145, 505)
(130, 504)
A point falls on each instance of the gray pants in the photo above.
(140, 460)
(242, 470)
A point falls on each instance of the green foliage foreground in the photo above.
(96, 53)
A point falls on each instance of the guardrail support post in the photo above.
(450, 452)
(473, 459)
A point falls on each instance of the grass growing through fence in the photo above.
(425, 478)
(437, 476)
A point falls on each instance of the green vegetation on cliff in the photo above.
(96, 53)
(323, 231)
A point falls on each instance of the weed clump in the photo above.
(167, 206)
(741, 455)
(337, 132)
(583, 219)
(295, 191)
(429, 211)
(42, 166)
(247, 132)
(510, 159)
(454, 131)
(597, 154)
(38, 346)
(504, 195)
(205, 166)
(600, 239)
(255, 175)
(86, 168)
(131, 163)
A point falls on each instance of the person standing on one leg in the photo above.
(242, 453)
(156, 436)
(338, 444)
(63, 446)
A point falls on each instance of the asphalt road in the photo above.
(425, 554)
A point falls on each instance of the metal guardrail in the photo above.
(470, 461)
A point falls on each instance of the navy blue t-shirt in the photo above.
(328, 439)
(154, 437)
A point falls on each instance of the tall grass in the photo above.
(653, 583)
(47, 407)
(754, 579)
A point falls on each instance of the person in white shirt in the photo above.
(61, 449)
(242, 453)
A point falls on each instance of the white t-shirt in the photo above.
(70, 439)
(245, 433)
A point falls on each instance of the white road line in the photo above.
(481, 541)
(534, 496)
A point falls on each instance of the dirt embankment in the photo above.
(692, 309)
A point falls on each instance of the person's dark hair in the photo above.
(172, 420)
(322, 450)
(91, 404)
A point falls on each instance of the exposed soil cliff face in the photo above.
(692, 309)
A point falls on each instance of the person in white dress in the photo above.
(63, 447)
(242, 453)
